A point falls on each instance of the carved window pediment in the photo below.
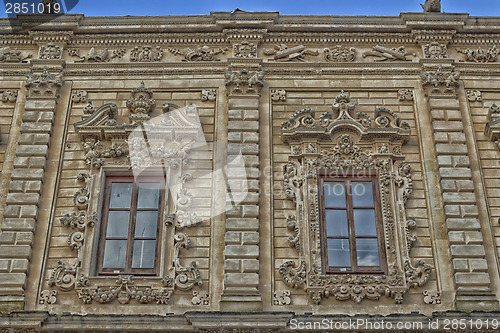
(341, 142)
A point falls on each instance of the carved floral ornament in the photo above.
(44, 84)
(344, 141)
(440, 82)
(164, 139)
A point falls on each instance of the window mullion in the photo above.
(350, 224)
(131, 229)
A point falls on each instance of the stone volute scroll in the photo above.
(139, 143)
(343, 141)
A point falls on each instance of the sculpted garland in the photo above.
(343, 141)
(97, 129)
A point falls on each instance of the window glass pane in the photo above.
(114, 254)
(367, 252)
(117, 224)
(362, 194)
(121, 195)
(364, 222)
(149, 195)
(146, 224)
(334, 193)
(336, 223)
(338, 253)
(144, 254)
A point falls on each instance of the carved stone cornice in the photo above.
(492, 129)
(41, 37)
(425, 36)
(254, 35)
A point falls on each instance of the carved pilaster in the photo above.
(244, 80)
(462, 205)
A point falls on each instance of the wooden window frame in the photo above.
(354, 268)
(132, 218)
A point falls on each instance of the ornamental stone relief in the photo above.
(340, 53)
(435, 50)
(344, 141)
(278, 95)
(200, 53)
(44, 84)
(245, 49)
(50, 51)
(284, 53)
(382, 53)
(107, 143)
(79, 96)
(9, 55)
(492, 130)
(244, 81)
(440, 82)
(146, 54)
(97, 55)
(474, 95)
(208, 95)
(405, 95)
(9, 96)
(479, 55)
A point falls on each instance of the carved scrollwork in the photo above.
(64, 276)
(79, 220)
(492, 129)
(293, 240)
(293, 276)
(186, 277)
(339, 142)
(124, 291)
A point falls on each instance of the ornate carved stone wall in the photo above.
(287, 97)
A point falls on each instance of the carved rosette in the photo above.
(435, 50)
(44, 84)
(344, 141)
(440, 82)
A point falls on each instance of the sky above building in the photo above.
(313, 7)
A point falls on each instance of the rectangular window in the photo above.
(351, 231)
(130, 226)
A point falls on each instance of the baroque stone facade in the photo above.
(243, 115)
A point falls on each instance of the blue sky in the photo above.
(328, 7)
